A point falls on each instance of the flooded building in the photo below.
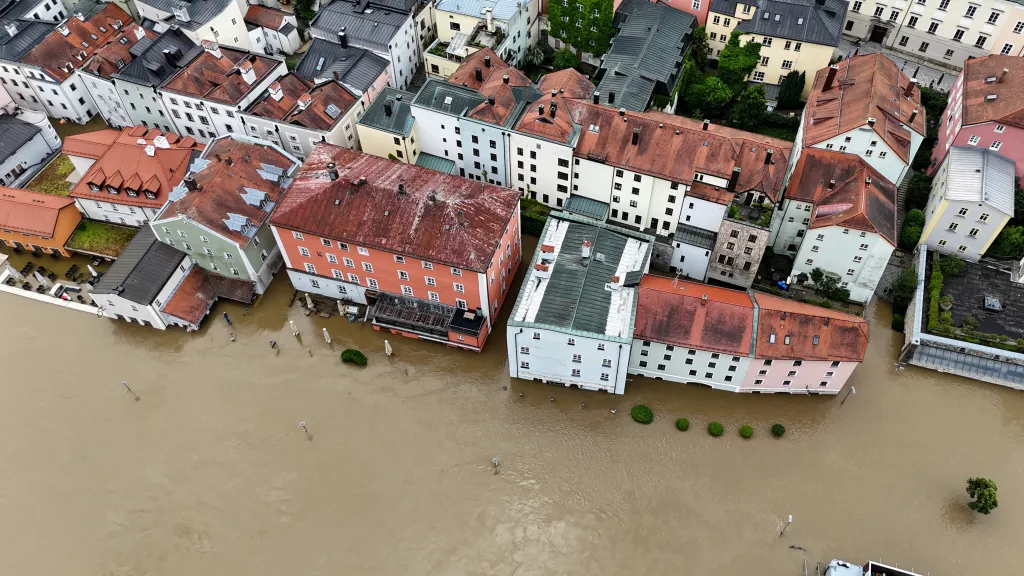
(433, 253)
(36, 222)
(220, 213)
(573, 321)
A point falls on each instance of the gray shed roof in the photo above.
(399, 121)
(356, 68)
(30, 34)
(445, 97)
(14, 133)
(500, 9)
(587, 207)
(800, 20)
(199, 11)
(694, 236)
(142, 270)
(575, 298)
(648, 49)
(981, 175)
(436, 163)
(367, 24)
(154, 61)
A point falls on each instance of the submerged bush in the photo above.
(642, 414)
(778, 430)
(716, 429)
(682, 424)
(746, 431)
(353, 356)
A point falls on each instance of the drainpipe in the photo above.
(617, 362)
(515, 343)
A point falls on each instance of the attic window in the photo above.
(786, 340)
(594, 128)
(150, 195)
(771, 338)
(94, 187)
(123, 40)
(94, 37)
(767, 15)
(131, 192)
(800, 21)
(85, 44)
(815, 340)
(111, 189)
(103, 29)
(777, 17)
(990, 79)
(120, 64)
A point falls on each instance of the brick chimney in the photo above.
(830, 77)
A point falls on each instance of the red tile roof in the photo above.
(265, 17)
(710, 193)
(234, 165)
(199, 289)
(694, 315)
(58, 51)
(282, 102)
(126, 164)
(555, 88)
(90, 144)
(106, 61)
(867, 86)
(30, 212)
(673, 147)
(844, 338)
(1008, 89)
(220, 79)
(465, 74)
(436, 217)
(852, 202)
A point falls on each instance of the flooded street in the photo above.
(210, 473)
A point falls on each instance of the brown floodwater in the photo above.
(209, 473)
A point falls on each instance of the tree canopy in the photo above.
(708, 98)
(791, 88)
(565, 58)
(736, 62)
(750, 109)
(594, 32)
(699, 48)
(983, 490)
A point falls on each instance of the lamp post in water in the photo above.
(788, 522)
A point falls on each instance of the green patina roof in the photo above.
(587, 207)
(436, 163)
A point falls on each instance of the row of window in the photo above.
(605, 377)
(460, 288)
(362, 251)
(372, 283)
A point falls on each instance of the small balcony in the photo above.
(753, 209)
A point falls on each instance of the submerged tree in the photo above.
(983, 490)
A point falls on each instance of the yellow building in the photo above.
(799, 35)
(387, 128)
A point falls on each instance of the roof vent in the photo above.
(150, 150)
(990, 97)
(332, 171)
(431, 196)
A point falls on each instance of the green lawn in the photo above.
(52, 180)
(101, 238)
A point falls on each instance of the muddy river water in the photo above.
(209, 473)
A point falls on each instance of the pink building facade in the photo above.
(771, 376)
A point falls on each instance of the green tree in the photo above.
(304, 8)
(736, 62)
(750, 109)
(1009, 244)
(699, 48)
(914, 217)
(903, 289)
(828, 286)
(689, 77)
(910, 236)
(791, 88)
(564, 14)
(709, 98)
(918, 191)
(534, 56)
(565, 58)
(983, 490)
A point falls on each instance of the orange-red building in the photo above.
(433, 254)
(37, 222)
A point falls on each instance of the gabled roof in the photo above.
(220, 79)
(366, 24)
(266, 17)
(984, 77)
(154, 61)
(200, 12)
(694, 315)
(30, 33)
(486, 60)
(118, 53)
(90, 144)
(800, 20)
(555, 88)
(234, 187)
(865, 87)
(356, 68)
(648, 49)
(505, 89)
(449, 98)
(126, 164)
(30, 212)
(846, 191)
(84, 37)
(398, 208)
(291, 100)
(14, 133)
(390, 112)
(814, 333)
(980, 175)
(199, 289)
(141, 271)
(674, 147)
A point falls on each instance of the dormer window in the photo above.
(150, 195)
(120, 64)
(123, 40)
(111, 189)
(130, 192)
(94, 187)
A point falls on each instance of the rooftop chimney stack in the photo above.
(871, 121)
(332, 171)
(831, 184)
(733, 179)
(706, 124)
(304, 101)
(611, 97)
(913, 115)
(909, 91)
(490, 100)
(830, 77)
(487, 61)
(479, 74)
(401, 189)
(622, 112)
(343, 39)
(597, 97)
(275, 91)
(636, 136)
(490, 19)
(140, 33)
(540, 110)
(505, 78)
(248, 73)
(1002, 75)
(554, 93)
(553, 108)
(213, 48)
(768, 157)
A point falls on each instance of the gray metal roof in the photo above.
(500, 9)
(154, 61)
(14, 133)
(445, 97)
(200, 12)
(575, 298)
(11, 10)
(366, 24)
(286, 29)
(142, 270)
(436, 163)
(648, 49)
(356, 68)
(980, 175)
(30, 34)
(399, 121)
(587, 207)
(694, 236)
(801, 20)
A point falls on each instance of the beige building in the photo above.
(508, 27)
(945, 32)
(799, 35)
(387, 128)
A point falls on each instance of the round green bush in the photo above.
(746, 431)
(642, 414)
(898, 323)
(716, 429)
(682, 424)
(778, 430)
(350, 355)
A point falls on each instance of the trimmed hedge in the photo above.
(352, 356)
(778, 430)
(746, 431)
(682, 424)
(642, 414)
(716, 429)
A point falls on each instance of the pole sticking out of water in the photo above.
(790, 521)
(306, 430)
(132, 392)
(327, 337)
(495, 462)
(295, 330)
(852, 390)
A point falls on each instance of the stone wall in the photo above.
(730, 262)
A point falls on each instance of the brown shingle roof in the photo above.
(314, 115)
(677, 313)
(234, 165)
(673, 147)
(852, 202)
(866, 86)
(57, 51)
(265, 17)
(555, 88)
(199, 289)
(30, 212)
(1008, 106)
(465, 75)
(220, 79)
(844, 338)
(125, 164)
(439, 217)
